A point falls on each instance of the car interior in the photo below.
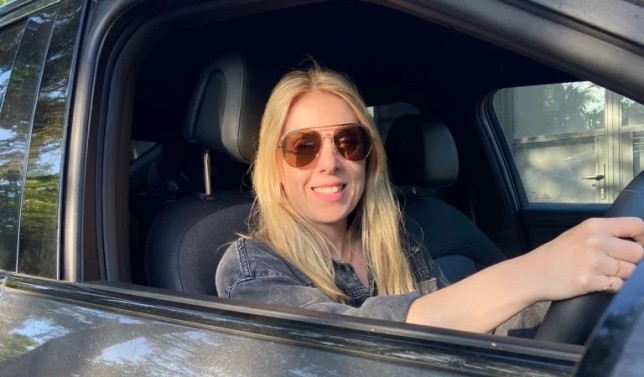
(197, 93)
(186, 103)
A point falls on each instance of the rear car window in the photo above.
(12, 154)
(35, 84)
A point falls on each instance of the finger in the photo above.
(625, 227)
(624, 250)
(601, 263)
(608, 266)
(603, 283)
(617, 268)
(614, 284)
(626, 269)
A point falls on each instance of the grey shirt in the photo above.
(252, 271)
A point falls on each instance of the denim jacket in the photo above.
(252, 271)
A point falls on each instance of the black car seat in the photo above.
(188, 237)
(424, 161)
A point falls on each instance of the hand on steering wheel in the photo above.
(571, 320)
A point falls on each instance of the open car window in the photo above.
(98, 102)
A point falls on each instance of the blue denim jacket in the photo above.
(252, 271)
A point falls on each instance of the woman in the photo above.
(328, 236)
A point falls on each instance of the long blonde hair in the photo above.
(376, 220)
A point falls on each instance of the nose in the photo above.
(329, 157)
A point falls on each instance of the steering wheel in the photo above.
(572, 320)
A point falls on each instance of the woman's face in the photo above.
(326, 190)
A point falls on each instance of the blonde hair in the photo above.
(376, 220)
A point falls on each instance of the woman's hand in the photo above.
(596, 255)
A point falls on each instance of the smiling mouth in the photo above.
(328, 190)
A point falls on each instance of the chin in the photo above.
(331, 219)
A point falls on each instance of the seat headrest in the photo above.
(421, 152)
(226, 109)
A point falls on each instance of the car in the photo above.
(126, 133)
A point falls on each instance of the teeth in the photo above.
(328, 190)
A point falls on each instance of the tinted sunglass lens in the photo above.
(301, 148)
(353, 143)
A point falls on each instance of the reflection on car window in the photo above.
(17, 112)
(572, 142)
(11, 155)
(5, 3)
(38, 247)
(139, 148)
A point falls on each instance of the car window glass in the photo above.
(39, 233)
(11, 154)
(572, 142)
(17, 112)
(35, 61)
(6, 3)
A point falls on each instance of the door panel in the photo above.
(543, 222)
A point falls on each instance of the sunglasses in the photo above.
(301, 147)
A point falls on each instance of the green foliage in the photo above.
(574, 105)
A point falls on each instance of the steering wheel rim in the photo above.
(572, 320)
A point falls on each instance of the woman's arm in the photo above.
(582, 260)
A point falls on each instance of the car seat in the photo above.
(423, 162)
(188, 237)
